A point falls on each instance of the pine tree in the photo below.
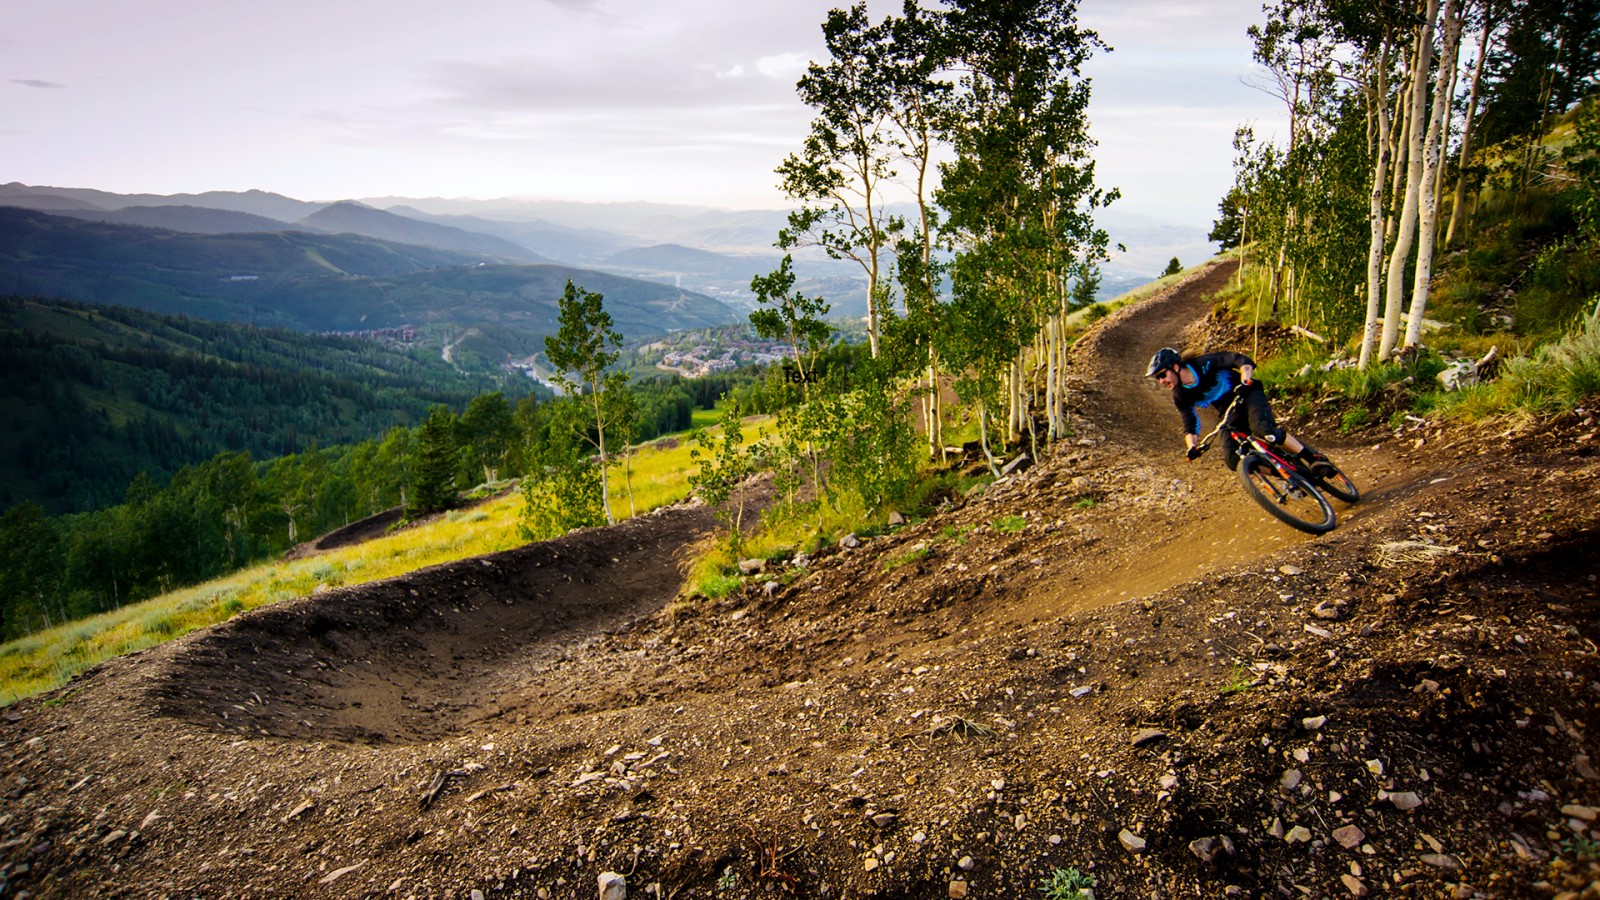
(434, 471)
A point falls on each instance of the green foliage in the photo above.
(919, 552)
(725, 466)
(1582, 160)
(97, 394)
(955, 533)
(1173, 267)
(790, 316)
(870, 440)
(581, 346)
(1555, 377)
(1582, 848)
(434, 473)
(1067, 884)
(1241, 680)
(488, 439)
(1227, 231)
(581, 343)
(567, 491)
(1354, 419)
(1009, 524)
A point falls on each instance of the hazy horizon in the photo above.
(599, 101)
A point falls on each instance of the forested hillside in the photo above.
(317, 282)
(96, 395)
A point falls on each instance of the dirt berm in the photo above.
(1113, 663)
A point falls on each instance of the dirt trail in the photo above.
(1211, 525)
(1147, 679)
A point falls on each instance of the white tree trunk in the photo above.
(1428, 198)
(1406, 231)
(1379, 94)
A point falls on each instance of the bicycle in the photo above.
(1282, 484)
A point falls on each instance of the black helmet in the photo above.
(1165, 358)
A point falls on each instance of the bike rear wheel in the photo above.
(1293, 500)
(1336, 482)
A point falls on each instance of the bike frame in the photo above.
(1256, 445)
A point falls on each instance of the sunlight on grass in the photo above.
(48, 659)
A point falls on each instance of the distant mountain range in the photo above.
(698, 251)
(320, 282)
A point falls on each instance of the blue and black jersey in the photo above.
(1216, 376)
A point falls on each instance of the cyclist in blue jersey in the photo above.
(1211, 380)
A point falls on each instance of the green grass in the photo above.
(48, 659)
(704, 418)
(1242, 680)
(1009, 524)
(1066, 884)
(956, 533)
(1555, 377)
(919, 552)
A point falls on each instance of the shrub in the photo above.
(1354, 419)
(1067, 884)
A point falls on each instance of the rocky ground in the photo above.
(1111, 663)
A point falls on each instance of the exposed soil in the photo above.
(1112, 662)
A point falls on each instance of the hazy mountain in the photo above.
(317, 282)
(349, 217)
(678, 259)
(258, 203)
(557, 242)
(192, 219)
(632, 220)
(21, 195)
(607, 236)
(747, 231)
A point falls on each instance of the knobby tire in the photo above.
(1305, 508)
(1338, 484)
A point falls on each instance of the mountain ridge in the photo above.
(318, 282)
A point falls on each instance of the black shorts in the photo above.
(1253, 414)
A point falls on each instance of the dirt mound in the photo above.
(357, 532)
(424, 655)
(1111, 663)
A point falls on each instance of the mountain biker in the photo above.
(1212, 380)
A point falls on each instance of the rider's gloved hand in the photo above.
(1193, 453)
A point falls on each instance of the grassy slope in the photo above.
(42, 661)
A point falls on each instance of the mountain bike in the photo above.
(1284, 485)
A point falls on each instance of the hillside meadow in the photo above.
(45, 660)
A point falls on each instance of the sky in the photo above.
(687, 101)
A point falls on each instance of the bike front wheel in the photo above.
(1291, 499)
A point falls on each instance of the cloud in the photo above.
(36, 83)
(785, 66)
